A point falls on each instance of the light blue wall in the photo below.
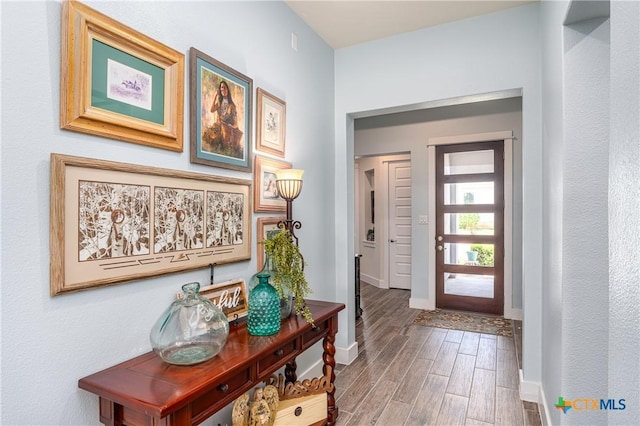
(585, 272)
(49, 343)
(490, 53)
(624, 205)
(590, 311)
(552, 17)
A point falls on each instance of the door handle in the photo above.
(439, 248)
(392, 240)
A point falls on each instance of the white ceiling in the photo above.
(344, 23)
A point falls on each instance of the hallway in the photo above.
(409, 374)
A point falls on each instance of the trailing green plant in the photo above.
(485, 253)
(288, 266)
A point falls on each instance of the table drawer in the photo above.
(315, 334)
(223, 393)
(267, 362)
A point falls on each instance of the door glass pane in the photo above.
(468, 223)
(468, 193)
(468, 285)
(468, 254)
(468, 162)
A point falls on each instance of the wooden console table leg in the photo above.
(290, 371)
(109, 412)
(330, 362)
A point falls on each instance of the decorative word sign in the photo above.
(230, 296)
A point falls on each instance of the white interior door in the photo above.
(399, 224)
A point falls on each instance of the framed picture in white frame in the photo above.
(270, 123)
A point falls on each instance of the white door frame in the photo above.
(507, 137)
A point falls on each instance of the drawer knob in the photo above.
(298, 411)
(279, 352)
(223, 388)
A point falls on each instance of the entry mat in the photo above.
(466, 321)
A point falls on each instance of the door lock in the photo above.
(439, 248)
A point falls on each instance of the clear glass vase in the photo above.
(190, 330)
(286, 302)
(264, 309)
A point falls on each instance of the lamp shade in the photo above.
(289, 183)
(289, 174)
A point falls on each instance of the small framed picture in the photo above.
(118, 83)
(267, 227)
(271, 123)
(221, 103)
(265, 193)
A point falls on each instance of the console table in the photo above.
(147, 391)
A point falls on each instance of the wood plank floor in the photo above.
(409, 374)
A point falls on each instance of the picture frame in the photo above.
(270, 123)
(115, 222)
(265, 194)
(266, 227)
(220, 130)
(117, 83)
(230, 296)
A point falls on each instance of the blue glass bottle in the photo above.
(264, 308)
(286, 301)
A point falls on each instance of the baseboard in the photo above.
(533, 392)
(514, 314)
(346, 355)
(376, 282)
(529, 391)
(545, 418)
(417, 303)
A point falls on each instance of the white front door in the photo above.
(400, 225)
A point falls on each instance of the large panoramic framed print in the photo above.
(114, 222)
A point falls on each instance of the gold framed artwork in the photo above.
(265, 193)
(114, 222)
(118, 83)
(267, 226)
(271, 123)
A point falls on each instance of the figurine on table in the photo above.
(259, 412)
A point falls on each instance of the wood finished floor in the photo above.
(409, 374)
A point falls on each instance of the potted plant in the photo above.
(288, 271)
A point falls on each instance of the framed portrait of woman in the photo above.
(221, 105)
(265, 193)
